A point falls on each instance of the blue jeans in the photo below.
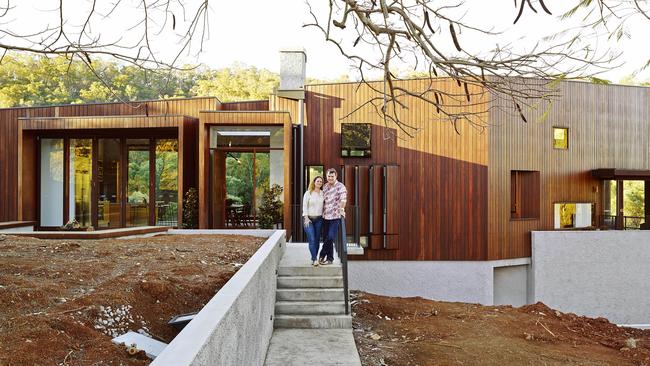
(313, 231)
(331, 228)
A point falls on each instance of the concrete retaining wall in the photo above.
(466, 281)
(235, 327)
(594, 273)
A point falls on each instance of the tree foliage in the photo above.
(30, 81)
(236, 83)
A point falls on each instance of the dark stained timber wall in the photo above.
(438, 210)
(249, 105)
(609, 127)
(9, 130)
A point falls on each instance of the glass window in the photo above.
(80, 179)
(633, 203)
(137, 187)
(313, 171)
(247, 136)
(109, 190)
(51, 195)
(572, 215)
(560, 138)
(166, 183)
(355, 139)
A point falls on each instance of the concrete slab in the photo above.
(97, 234)
(297, 255)
(323, 347)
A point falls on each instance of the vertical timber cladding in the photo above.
(608, 128)
(442, 174)
(10, 159)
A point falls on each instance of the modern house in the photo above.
(448, 212)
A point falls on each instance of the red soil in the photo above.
(62, 301)
(415, 331)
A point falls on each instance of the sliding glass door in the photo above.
(166, 210)
(51, 188)
(138, 181)
(108, 182)
(109, 189)
(80, 177)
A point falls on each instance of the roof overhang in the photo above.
(103, 122)
(623, 174)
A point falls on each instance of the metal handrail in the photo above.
(610, 221)
(342, 249)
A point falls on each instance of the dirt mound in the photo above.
(416, 331)
(61, 302)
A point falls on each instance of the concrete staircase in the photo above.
(307, 296)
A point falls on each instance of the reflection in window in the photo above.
(355, 139)
(137, 187)
(633, 203)
(51, 195)
(572, 215)
(166, 182)
(560, 138)
(313, 171)
(109, 190)
(80, 179)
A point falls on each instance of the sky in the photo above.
(253, 31)
(272, 25)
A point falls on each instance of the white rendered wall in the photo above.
(276, 167)
(594, 273)
(466, 281)
(511, 285)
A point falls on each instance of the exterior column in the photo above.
(620, 219)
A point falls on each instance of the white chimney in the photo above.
(293, 64)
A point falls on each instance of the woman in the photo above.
(312, 215)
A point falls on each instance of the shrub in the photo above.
(270, 211)
(191, 209)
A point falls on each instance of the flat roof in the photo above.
(625, 174)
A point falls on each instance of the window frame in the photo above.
(523, 207)
(576, 203)
(567, 138)
(367, 152)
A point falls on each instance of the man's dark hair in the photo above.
(331, 171)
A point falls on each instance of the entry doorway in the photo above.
(624, 204)
(245, 163)
(246, 176)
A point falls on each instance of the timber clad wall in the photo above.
(448, 194)
(609, 127)
(441, 175)
(9, 133)
(251, 105)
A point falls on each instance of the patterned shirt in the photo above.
(334, 195)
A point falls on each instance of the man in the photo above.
(335, 197)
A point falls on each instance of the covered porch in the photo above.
(626, 195)
(105, 172)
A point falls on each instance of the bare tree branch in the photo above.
(392, 34)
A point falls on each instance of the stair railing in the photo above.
(342, 249)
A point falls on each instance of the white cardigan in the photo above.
(312, 204)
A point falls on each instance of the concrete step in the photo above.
(330, 270)
(310, 307)
(313, 321)
(309, 294)
(310, 282)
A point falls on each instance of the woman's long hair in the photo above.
(312, 185)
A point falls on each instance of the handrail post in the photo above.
(343, 253)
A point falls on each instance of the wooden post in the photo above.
(620, 219)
